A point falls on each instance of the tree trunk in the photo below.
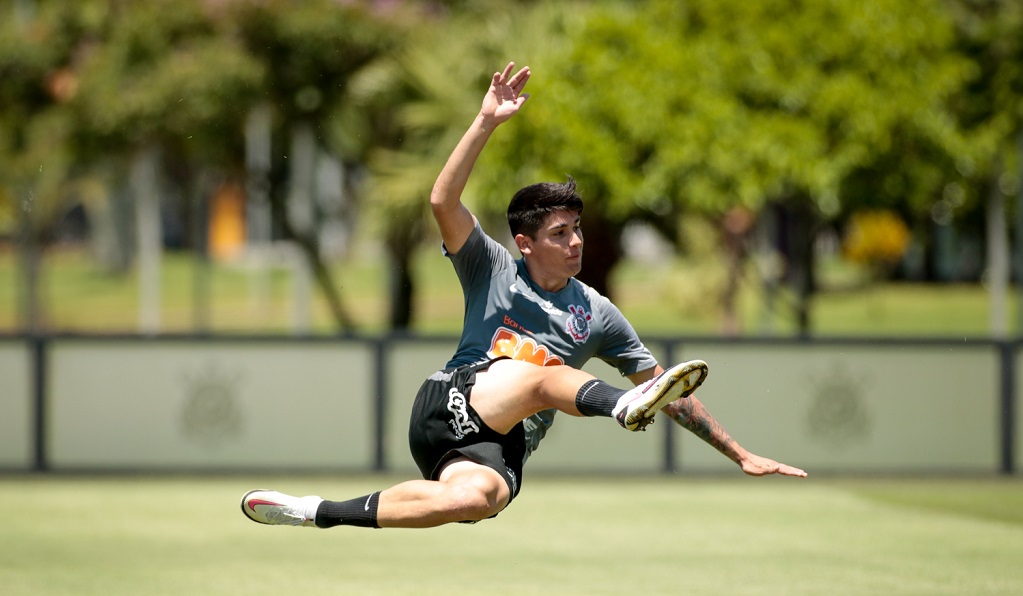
(802, 233)
(768, 248)
(201, 189)
(601, 252)
(405, 232)
(298, 219)
(258, 220)
(402, 290)
(736, 228)
(31, 305)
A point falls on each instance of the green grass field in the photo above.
(615, 535)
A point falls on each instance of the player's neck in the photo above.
(546, 283)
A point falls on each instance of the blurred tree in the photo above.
(310, 52)
(97, 83)
(415, 106)
(990, 110)
(664, 107)
(40, 44)
(157, 95)
(33, 128)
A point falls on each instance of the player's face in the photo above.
(556, 254)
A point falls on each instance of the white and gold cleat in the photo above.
(637, 408)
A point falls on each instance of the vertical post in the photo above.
(1018, 252)
(258, 219)
(670, 464)
(380, 406)
(145, 188)
(1008, 414)
(998, 261)
(39, 368)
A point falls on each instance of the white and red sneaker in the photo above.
(278, 509)
(636, 409)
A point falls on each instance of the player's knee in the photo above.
(472, 503)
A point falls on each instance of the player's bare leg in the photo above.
(503, 395)
(465, 491)
(511, 390)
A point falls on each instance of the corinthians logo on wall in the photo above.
(211, 415)
(838, 416)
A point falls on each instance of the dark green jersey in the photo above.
(506, 314)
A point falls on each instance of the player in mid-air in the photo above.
(529, 327)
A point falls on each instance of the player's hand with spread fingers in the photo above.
(505, 96)
(755, 465)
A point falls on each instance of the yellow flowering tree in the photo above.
(876, 239)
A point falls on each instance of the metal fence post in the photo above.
(39, 347)
(1008, 388)
(380, 409)
(669, 429)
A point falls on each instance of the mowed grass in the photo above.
(616, 535)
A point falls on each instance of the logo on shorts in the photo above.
(578, 323)
(460, 423)
(514, 480)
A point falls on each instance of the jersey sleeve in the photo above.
(622, 347)
(478, 259)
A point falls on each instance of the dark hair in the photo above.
(530, 206)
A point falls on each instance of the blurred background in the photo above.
(208, 204)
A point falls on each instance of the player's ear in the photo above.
(524, 243)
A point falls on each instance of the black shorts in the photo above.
(444, 426)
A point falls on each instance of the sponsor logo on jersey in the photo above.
(508, 343)
(460, 422)
(578, 323)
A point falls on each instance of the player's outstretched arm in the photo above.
(690, 413)
(503, 100)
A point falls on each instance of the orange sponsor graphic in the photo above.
(508, 343)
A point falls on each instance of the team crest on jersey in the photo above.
(578, 323)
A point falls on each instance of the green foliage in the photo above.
(659, 109)
(419, 103)
(310, 50)
(35, 126)
(989, 108)
(164, 73)
(666, 106)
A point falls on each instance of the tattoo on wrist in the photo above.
(691, 415)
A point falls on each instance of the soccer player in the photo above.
(529, 327)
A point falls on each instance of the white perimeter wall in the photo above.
(127, 404)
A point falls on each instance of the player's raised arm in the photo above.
(502, 101)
